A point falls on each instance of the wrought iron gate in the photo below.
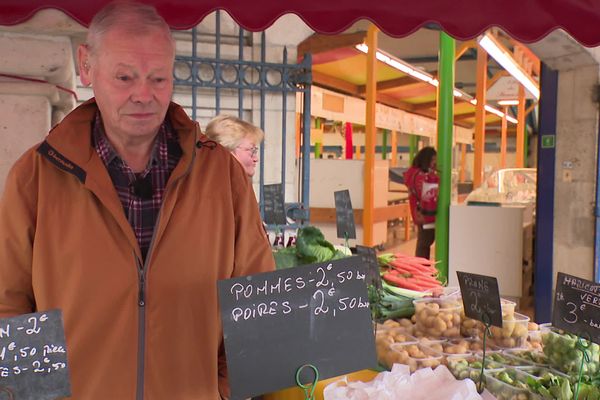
(219, 74)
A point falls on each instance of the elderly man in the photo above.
(124, 218)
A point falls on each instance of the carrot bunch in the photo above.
(413, 273)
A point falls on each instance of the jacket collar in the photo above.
(72, 137)
(69, 147)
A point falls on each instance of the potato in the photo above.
(413, 350)
(532, 326)
(452, 332)
(391, 323)
(439, 325)
(405, 322)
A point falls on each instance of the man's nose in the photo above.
(142, 92)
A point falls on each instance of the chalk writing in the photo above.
(277, 321)
(481, 297)
(33, 356)
(576, 303)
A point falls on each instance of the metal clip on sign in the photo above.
(485, 318)
(582, 345)
(309, 388)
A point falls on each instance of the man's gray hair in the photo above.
(135, 18)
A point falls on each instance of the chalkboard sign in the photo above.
(274, 204)
(33, 357)
(369, 257)
(577, 306)
(275, 322)
(344, 216)
(481, 296)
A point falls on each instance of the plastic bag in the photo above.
(398, 384)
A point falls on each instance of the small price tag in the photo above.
(481, 298)
(577, 306)
(344, 215)
(369, 257)
(274, 204)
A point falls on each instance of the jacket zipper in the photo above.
(142, 271)
(141, 327)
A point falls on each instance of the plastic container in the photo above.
(415, 355)
(509, 361)
(472, 345)
(526, 374)
(505, 391)
(560, 348)
(470, 367)
(534, 337)
(385, 339)
(472, 327)
(437, 317)
(513, 333)
(434, 344)
(534, 357)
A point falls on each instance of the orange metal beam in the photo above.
(370, 130)
(463, 162)
(469, 44)
(390, 84)
(521, 128)
(481, 86)
(496, 76)
(334, 83)
(318, 43)
(394, 144)
(503, 140)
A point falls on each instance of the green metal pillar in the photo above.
(412, 148)
(318, 145)
(384, 144)
(445, 120)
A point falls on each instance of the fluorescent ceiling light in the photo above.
(425, 77)
(505, 59)
(508, 102)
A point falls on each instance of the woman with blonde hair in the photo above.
(240, 137)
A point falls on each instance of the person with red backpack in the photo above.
(422, 181)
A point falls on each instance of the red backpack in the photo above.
(428, 198)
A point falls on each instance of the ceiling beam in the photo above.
(416, 90)
(338, 84)
(318, 43)
(491, 81)
(391, 84)
(469, 44)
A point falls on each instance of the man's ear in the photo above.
(83, 60)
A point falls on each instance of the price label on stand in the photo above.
(274, 204)
(276, 322)
(369, 257)
(481, 297)
(577, 306)
(344, 215)
(33, 357)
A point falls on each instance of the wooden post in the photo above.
(480, 90)
(503, 139)
(520, 129)
(394, 144)
(463, 162)
(370, 130)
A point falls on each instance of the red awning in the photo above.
(525, 20)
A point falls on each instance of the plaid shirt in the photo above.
(141, 213)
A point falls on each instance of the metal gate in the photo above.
(219, 74)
